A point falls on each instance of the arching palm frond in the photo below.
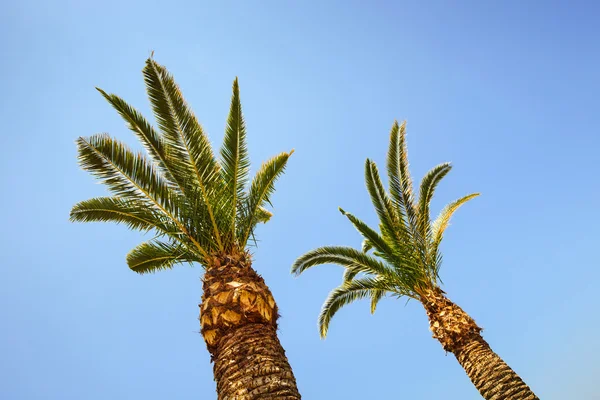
(441, 223)
(403, 257)
(427, 189)
(345, 294)
(156, 255)
(133, 213)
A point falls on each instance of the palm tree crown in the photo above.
(404, 258)
(199, 207)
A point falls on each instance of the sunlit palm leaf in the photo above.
(428, 185)
(399, 176)
(261, 189)
(392, 229)
(376, 296)
(235, 162)
(442, 221)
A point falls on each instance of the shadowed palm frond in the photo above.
(133, 213)
(156, 255)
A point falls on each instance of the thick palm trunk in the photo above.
(238, 317)
(459, 334)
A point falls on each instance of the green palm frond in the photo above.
(442, 221)
(366, 246)
(391, 228)
(155, 255)
(400, 181)
(191, 155)
(428, 185)
(133, 213)
(127, 174)
(346, 257)
(152, 141)
(347, 293)
(261, 189)
(376, 296)
(235, 162)
(374, 239)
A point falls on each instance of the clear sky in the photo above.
(507, 91)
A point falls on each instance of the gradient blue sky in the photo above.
(507, 91)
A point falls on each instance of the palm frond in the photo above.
(261, 189)
(262, 215)
(134, 214)
(155, 255)
(428, 185)
(127, 174)
(191, 157)
(442, 221)
(374, 239)
(347, 293)
(132, 177)
(235, 162)
(391, 228)
(346, 257)
(376, 296)
(152, 141)
(366, 246)
(399, 176)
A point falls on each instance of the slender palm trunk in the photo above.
(238, 317)
(459, 334)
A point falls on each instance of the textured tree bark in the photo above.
(251, 364)
(238, 318)
(459, 334)
(494, 379)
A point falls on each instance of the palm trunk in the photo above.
(459, 334)
(238, 317)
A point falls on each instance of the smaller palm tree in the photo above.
(405, 261)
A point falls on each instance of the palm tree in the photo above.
(405, 262)
(202, 211)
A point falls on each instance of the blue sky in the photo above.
(506, 91)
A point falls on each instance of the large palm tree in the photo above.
(202, 210)
(405, 262)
